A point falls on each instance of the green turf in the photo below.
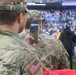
(74, 62)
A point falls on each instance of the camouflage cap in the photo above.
(35, 15)
(13, 5)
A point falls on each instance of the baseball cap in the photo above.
(13, 5)
(35, 15)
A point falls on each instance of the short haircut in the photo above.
(28, 23)
(9, 16)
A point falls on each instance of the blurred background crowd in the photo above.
(55, 20)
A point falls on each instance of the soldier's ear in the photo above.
(20, 18)
(40, 25)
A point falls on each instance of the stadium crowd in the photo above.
(55, 20)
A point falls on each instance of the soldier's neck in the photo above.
(12, 28)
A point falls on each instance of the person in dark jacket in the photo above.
(67, 37)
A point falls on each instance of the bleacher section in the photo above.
(49, 1)
(43, 1)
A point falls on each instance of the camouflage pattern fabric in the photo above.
(15, 55)
(52, 53)
(12, 5)
(7, 2)
(35, 15)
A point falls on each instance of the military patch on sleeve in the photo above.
(34, 66)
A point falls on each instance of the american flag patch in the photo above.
(34, 67)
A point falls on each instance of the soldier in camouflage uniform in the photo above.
(34, 14)
(16, 56)
(50, 51)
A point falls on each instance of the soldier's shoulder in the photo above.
(50, 38)
(52, 43)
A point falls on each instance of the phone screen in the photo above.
(34, 31)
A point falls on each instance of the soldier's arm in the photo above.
(20, 62)
(31, 65)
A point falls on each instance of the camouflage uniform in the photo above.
(51, 52)
(16, 56)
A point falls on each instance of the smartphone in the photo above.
(34, 31)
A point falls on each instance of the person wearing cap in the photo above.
(33, 16)
(16, 56)
(50, 50)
